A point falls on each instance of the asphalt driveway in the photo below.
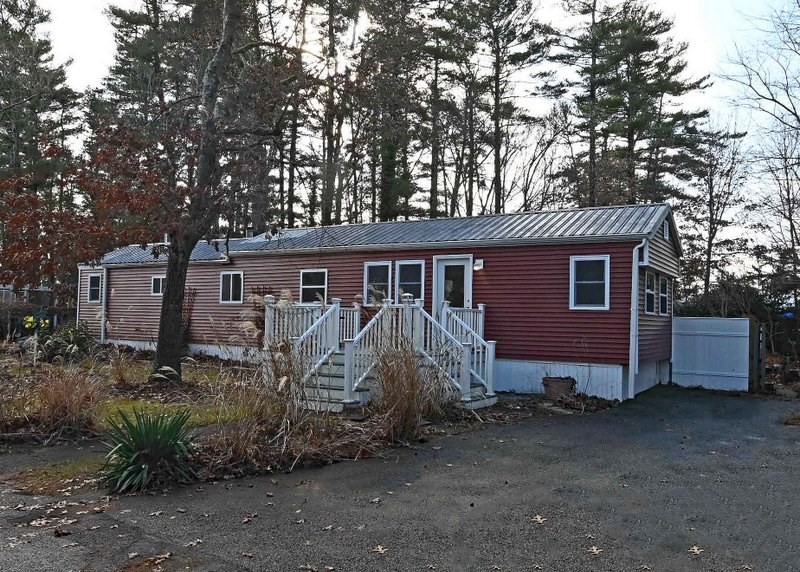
(634, 488)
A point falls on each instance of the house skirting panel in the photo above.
(524, 376)
(650, 374)
(234, 353)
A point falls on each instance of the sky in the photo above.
(80, 32)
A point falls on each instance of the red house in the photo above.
(585, 293)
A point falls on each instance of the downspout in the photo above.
(103, 307)
(633, 337)
(78, 299)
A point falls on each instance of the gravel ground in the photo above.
(642, 483)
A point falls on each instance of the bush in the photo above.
(148, 450)
(407, 393)
(70, 343)
(66, 401)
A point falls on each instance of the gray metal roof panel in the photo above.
(135, 254)
(574, 224)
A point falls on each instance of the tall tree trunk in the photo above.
(497, 139)
(170, 327)
(434, 198)
(592, 199)
(329, 179)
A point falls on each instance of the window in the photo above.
(231, 290)
(410, 278)
(93, 294)
(589, 283)
(666, 230)
(663, 296)
(649, 293)
(313, 286)
(377, 282)
(157, 284)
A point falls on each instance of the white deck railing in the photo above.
(482, 351)
(350, 323)
(285, 320)
(472, 317)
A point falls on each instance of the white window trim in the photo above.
(309, 270)
(397, 266)
(89, 299)
(660, 295)
(654, 312)
(365, 292)
(607, 274)
(230, 273)
(163, 285)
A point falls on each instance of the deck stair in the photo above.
(339, 354)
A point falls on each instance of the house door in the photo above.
(452, 282)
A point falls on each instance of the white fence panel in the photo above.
(713, 353)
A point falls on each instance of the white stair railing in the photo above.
(482, 351)
(350, 324)
(361, 353)
(472, 317)
(317, 344)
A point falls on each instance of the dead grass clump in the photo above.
(66, 401)
(409, 392)
(793, 420)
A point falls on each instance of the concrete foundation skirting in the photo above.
(235, 353)
(525, 376)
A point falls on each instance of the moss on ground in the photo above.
(793, 420)
(58, 478)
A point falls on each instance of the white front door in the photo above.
(452, 281)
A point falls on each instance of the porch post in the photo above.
(333, 331)
(419, 325)
(465, 376)
(357, 322)
(443, 315)
(348, 371)
(408, 317)
(269, 320)
(481, 319)
(490, 368)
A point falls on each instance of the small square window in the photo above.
(649, 293)
(663, 296)
(231, 288)
(410, 279)
(589, 283)
(666, 230)
(377, 282)
(157, 285)
(313, 286)
(93, 293)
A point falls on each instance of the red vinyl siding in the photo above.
(655, 331)
(525, 289)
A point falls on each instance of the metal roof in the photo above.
(136, 254)
(613, 223)
(569, 225)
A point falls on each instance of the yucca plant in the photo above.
(147, 450)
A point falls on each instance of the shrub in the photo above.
(407, 392)
(148, 450)
(70, 343)
(65, 401)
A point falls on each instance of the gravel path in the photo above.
(642, 484)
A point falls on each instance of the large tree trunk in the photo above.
(434, 199)
(201, 210)
(497, 139)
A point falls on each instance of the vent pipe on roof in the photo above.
(166, 238)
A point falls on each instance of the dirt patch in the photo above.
(794, 420)
(64, 478)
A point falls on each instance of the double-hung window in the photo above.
(231, 287)
(157, 285)
(313, 286)
(663, 296)
(93, 292)
(589, 282)
(377, 282)
(649, 293)
(410, 278)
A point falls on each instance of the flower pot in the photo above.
(555, 387)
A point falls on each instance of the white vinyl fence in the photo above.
(714, 353)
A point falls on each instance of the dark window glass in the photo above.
(378, 287)
(231, 287)
(409, 279)
(94, 288)
(312, 286)
(590, 283)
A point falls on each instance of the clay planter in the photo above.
(555, 387)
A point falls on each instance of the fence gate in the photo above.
(717, 353)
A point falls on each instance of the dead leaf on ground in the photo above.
(380, 549)
(594, 550)
(247, 554)
(696, 550)
(193, 543)
(539, 519)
